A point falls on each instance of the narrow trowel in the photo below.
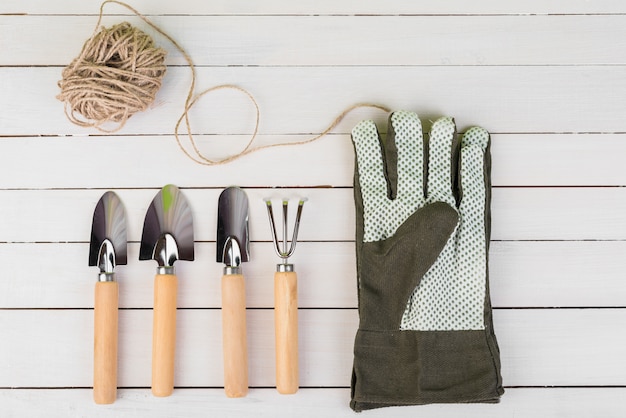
(167, 237)
(233, 249)
(107, 249)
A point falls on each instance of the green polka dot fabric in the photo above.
(451, 295)
(382, 214)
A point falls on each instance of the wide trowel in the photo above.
(233, 249)
(167, 237)
(107, 249)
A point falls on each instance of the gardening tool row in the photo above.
(167, 237)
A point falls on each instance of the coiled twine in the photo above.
(117, 74)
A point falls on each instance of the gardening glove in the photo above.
(423, 225)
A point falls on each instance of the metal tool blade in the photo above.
(168, 223)
(107, 247)
(233, 245)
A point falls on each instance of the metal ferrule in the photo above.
(162, 270)
(106, 277)
(284, 268)
(230, 270)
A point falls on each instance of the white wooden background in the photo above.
(546, 77)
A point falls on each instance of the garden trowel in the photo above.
(233, 249)
(167, 237)
(107, 249)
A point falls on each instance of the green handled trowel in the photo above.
(167, 237)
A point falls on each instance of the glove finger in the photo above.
(440, 178)
(370, 166)
(474, 180)
(405, 141)
(473, 236)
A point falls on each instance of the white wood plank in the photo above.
(551, 160)
(29, 284)
(507, 99)
(557, 273)
(522, 274)
(548, 213)
(541, 347)
(164, 162)
(557, 214)
(65, 360)
(339, 40)
(278, 7)
(516, 403)
(517, 160)
(66, 215)
(46, 348)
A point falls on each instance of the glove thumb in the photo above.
(396, 265)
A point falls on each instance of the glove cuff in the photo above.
(393, 368)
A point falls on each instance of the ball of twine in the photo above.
(117, 74)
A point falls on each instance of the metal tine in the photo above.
(285, 253)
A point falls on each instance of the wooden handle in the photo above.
(164, 334)
(286, 329)
(105, 343)
(234, 335)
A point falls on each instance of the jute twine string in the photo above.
(119, 72)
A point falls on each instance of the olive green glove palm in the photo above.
(423, 224)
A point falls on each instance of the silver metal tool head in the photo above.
(107, 247)
(233, 245)
(168, 229)
(287, 249)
